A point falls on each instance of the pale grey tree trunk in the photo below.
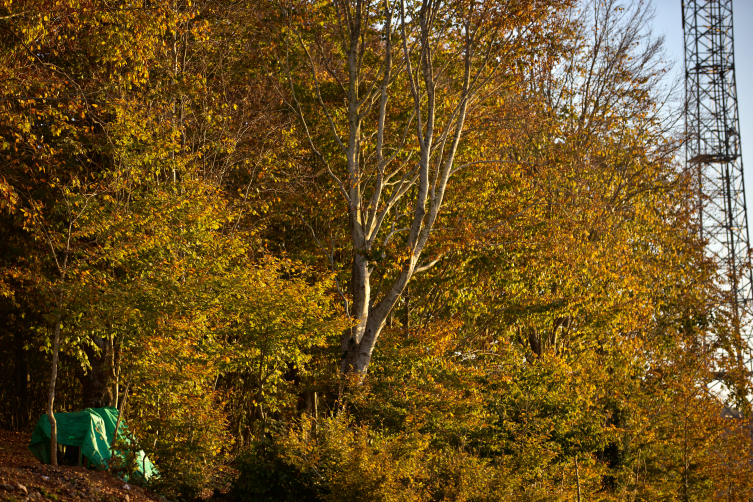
(61, 263)
(373, 188)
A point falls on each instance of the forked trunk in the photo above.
(358, 342)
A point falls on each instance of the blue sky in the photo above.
(668, 21)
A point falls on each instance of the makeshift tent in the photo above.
(92, 431)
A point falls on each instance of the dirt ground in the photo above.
(24, 478)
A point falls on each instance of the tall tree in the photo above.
(395, 83)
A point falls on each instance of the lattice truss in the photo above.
(714, 146)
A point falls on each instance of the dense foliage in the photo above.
(352, 250)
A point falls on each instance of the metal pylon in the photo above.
(713, 150)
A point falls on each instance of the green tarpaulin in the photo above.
(92, 430)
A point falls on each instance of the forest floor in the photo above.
(24, 478)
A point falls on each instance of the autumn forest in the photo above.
(365, 250)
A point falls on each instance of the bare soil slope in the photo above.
(24, 478)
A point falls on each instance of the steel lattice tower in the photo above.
(713, 147)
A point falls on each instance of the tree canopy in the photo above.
(436, 250)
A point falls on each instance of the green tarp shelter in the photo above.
(92, 430)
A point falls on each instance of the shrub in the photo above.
(265, 475)
(336, 460)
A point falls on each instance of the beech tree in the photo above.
(395, 83)
(492, 185)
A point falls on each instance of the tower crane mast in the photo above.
(713, 151)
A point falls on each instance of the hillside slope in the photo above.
(23, 477)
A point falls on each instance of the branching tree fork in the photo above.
(392, 158)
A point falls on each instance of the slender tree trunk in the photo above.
(51, 395)
(121, 410)
(115, 375)
(63, 269)
(685, 462)
(577, 476)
